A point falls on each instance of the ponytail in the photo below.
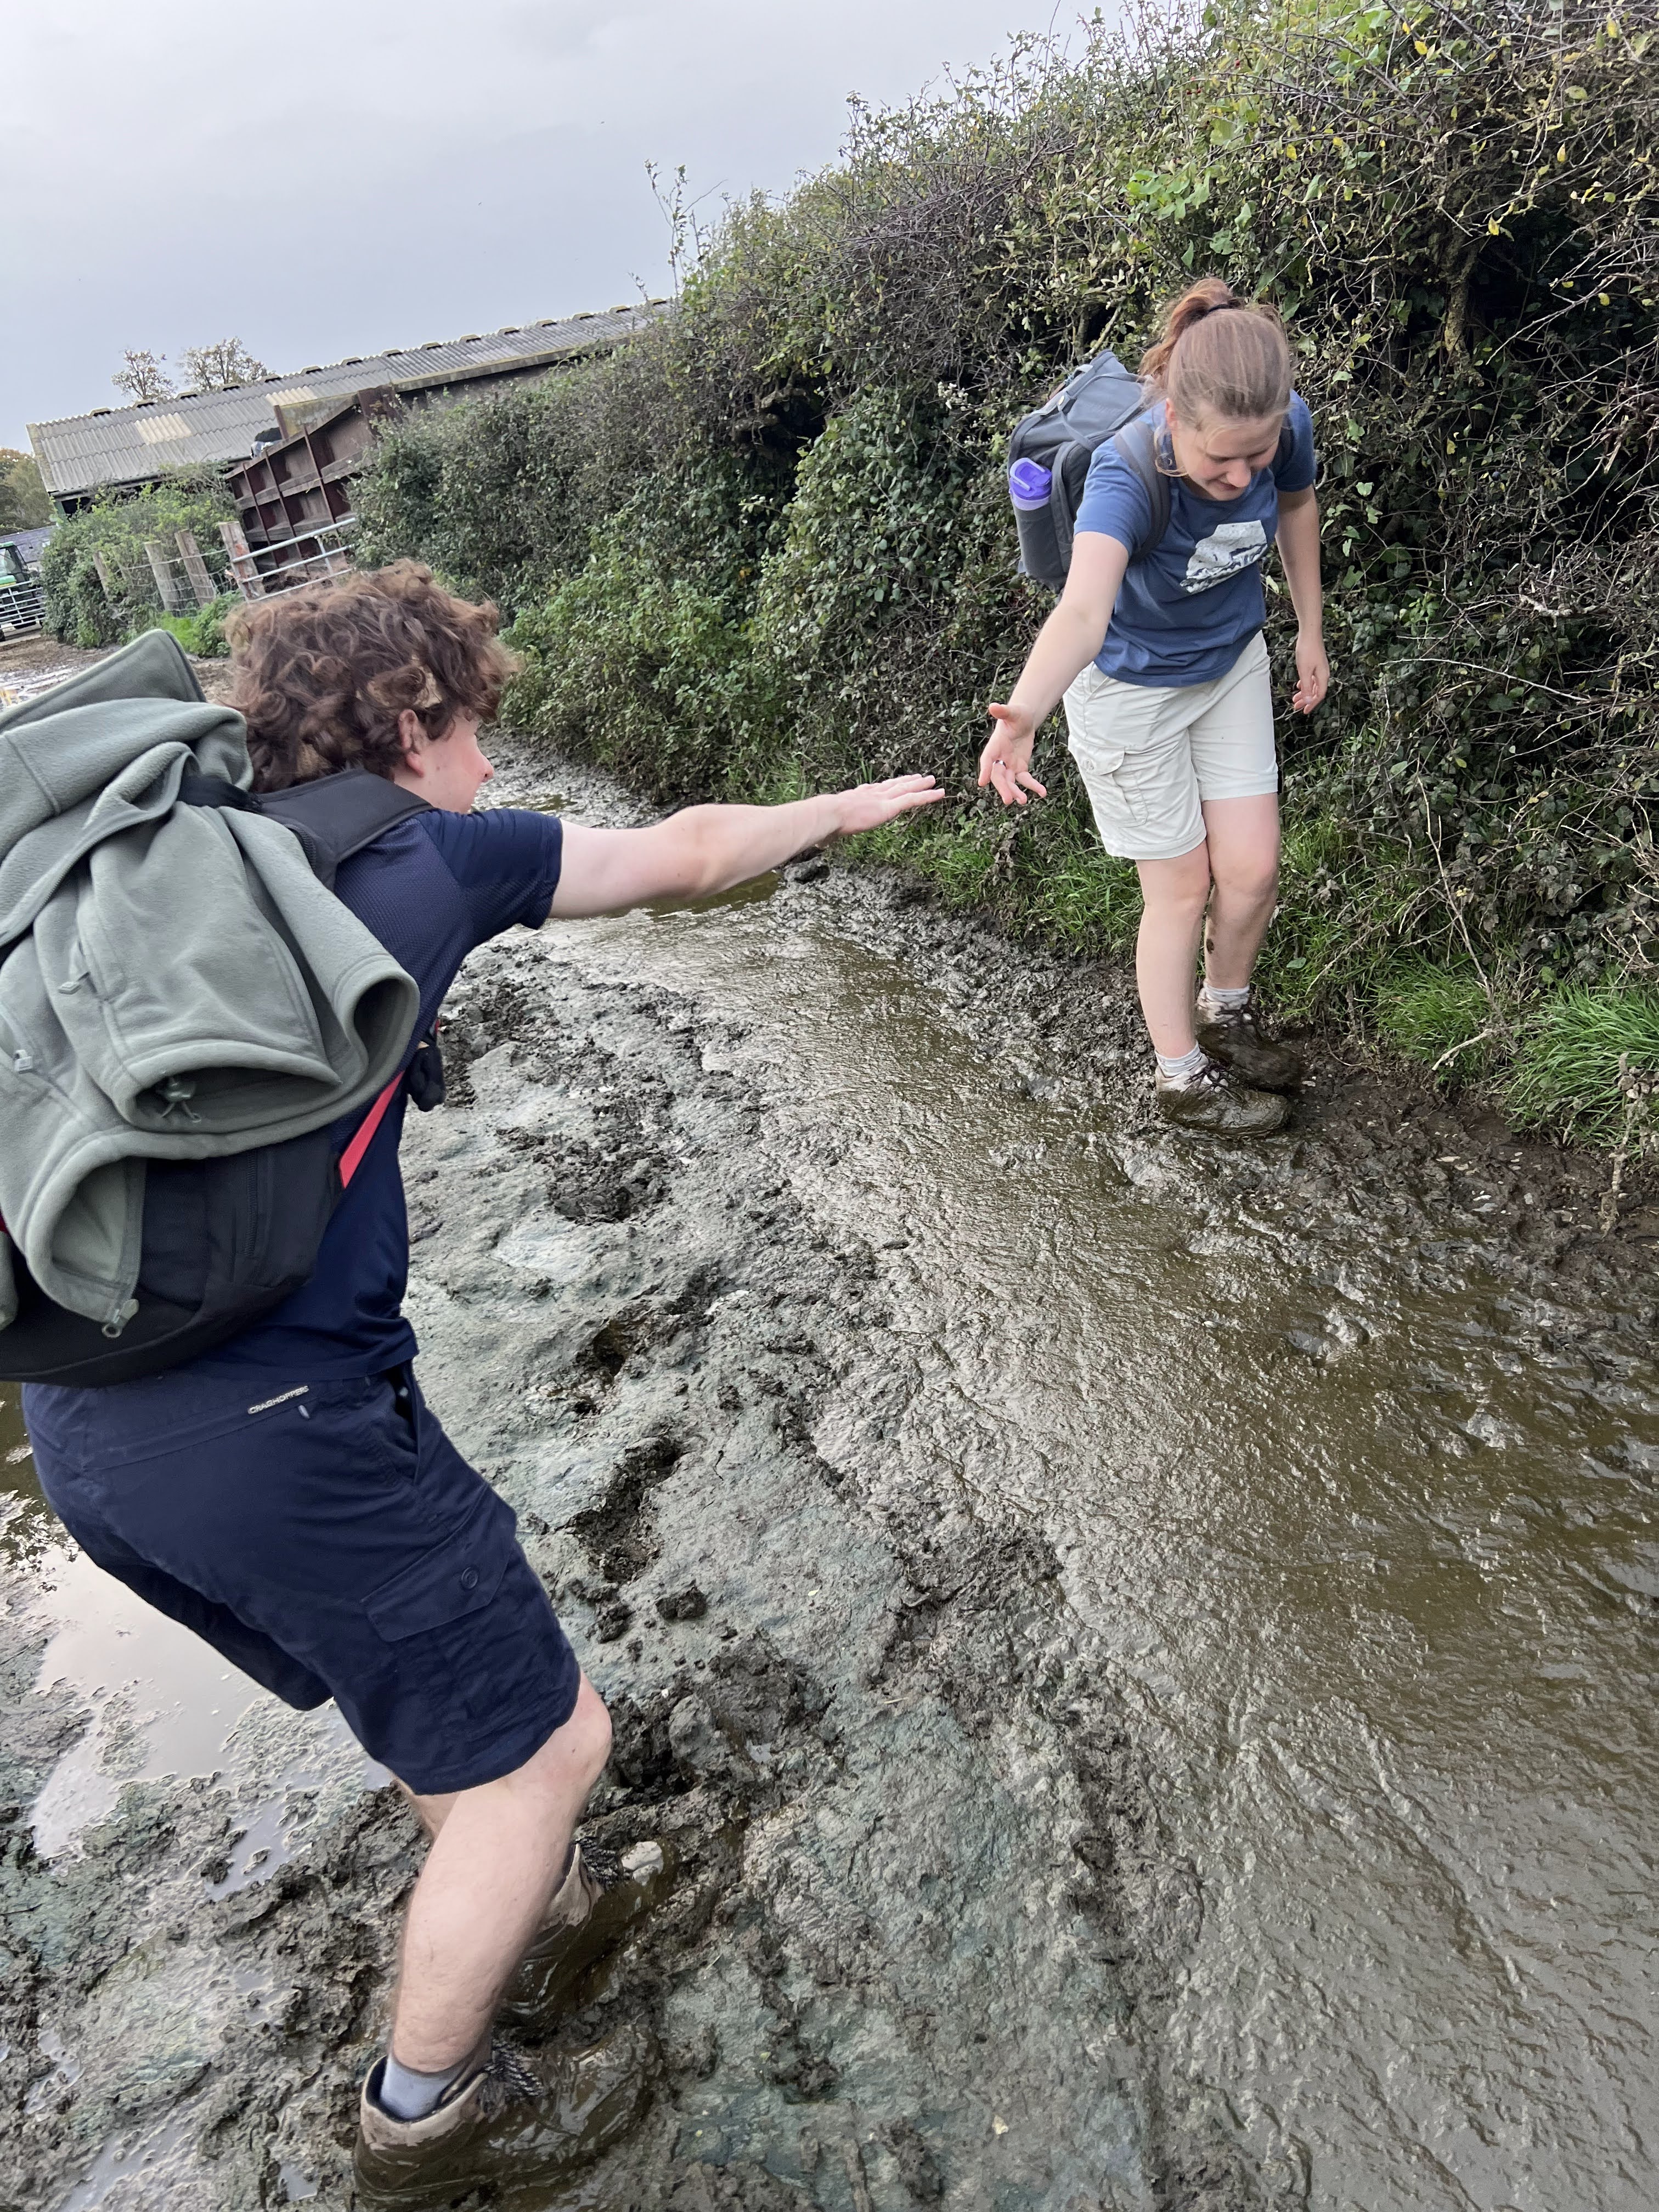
(1219, 355)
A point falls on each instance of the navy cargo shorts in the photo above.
(329, 1540)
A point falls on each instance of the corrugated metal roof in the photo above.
(129, 445)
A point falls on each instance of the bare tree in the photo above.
(144, 377)
(222, 366)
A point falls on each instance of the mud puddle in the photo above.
(1139, 1657)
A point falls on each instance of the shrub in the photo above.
(649, 673)
(501, 496)
(201, 634)
(78, 609)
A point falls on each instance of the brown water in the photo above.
(1371, 1536)
(1367, 1530)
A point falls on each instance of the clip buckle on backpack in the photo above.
(226, 1240)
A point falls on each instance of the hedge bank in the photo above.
(769, 545)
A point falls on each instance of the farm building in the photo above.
(129, 446)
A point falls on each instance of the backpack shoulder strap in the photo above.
(1071, 470)
(1136, 446)
(337, 816)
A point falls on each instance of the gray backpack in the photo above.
(1048, 458)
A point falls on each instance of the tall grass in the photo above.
(1566, 1070)
(1441, 1017)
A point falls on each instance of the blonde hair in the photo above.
(1219, 355)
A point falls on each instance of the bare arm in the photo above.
(704, 849)
(1298, 548)
(1066, 644)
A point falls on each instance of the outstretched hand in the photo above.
(1005, 763)
(869, 805)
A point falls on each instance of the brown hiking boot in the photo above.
(513, 2123)
(1215, 1100)
(1231, 1037)
(585, 1919)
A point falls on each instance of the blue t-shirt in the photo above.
(431, 889)
(1187, 607)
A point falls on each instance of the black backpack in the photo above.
(225, 1241)
(1048, 458)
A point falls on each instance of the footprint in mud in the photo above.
(616, 1530)
(622, 1338)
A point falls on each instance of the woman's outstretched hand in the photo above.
(869, 805)
(1005, 763)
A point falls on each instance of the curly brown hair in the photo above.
(321, 674)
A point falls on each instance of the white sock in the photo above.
(408, 2095)
(1223, 999)
(1182, 1069)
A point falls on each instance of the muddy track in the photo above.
(924, 1916)
(917, 1877)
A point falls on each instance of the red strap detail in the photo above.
(352, 1159)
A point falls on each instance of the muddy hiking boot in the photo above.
(514, 2123)
(585, 1919)
(1233, 1037)
(1215, 1100)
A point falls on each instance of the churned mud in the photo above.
(1136, 1656)
(28, 665)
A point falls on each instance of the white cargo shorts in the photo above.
(1150, 757)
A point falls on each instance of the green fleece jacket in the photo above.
(175, 983)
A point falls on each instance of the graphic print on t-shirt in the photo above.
(1230, 547)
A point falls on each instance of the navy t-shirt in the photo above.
(430, 890)
(1189, 607)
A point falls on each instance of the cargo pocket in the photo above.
(1096, 764)
(469, 1642)
(455, 1578)
(1115, 781)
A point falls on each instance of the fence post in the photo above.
(196, 569)
(243, 567)
(102, 565)
(173, 599)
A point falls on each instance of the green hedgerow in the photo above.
(201, 634)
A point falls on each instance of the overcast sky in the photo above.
(330, 177)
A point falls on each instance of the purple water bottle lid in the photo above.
(1029, 483)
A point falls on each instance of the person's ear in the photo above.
(411, 738)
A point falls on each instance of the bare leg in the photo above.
(430, 1812)
(1174, 893)
(1243, 848)
(497, 1856)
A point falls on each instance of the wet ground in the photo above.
(29, 665)
(1139, 1656)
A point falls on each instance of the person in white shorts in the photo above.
(1158, 649)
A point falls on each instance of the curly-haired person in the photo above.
(291, 1496)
